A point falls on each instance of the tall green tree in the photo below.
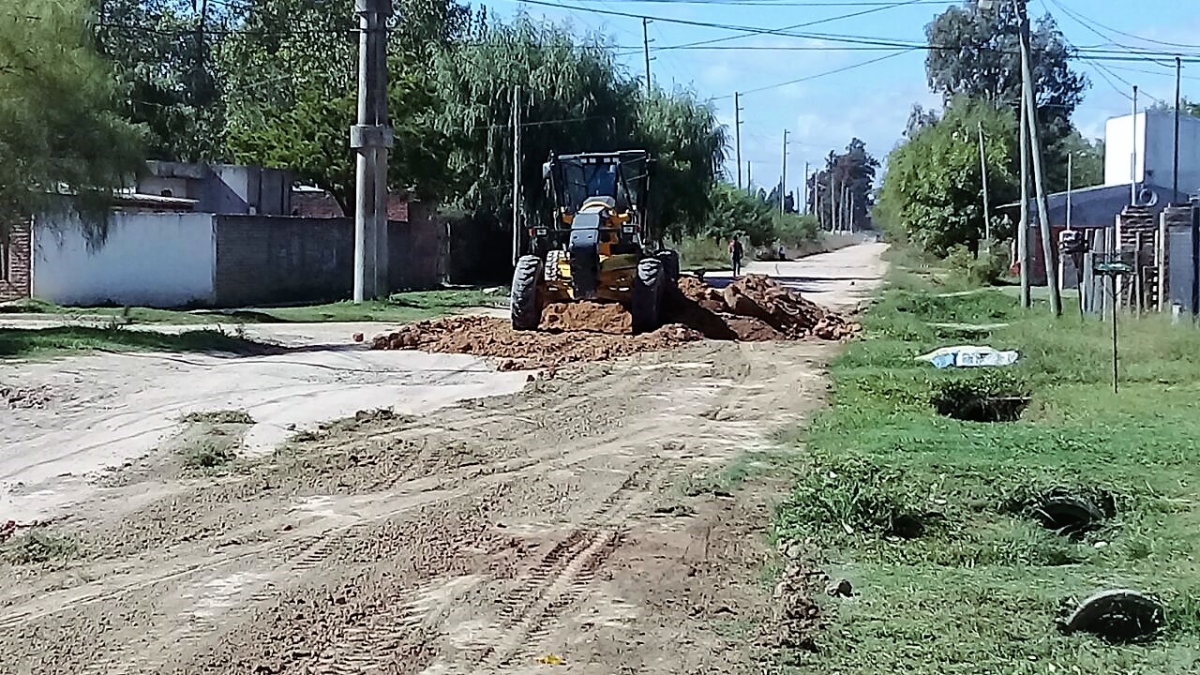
(853, 170)
(59, 127)
(291, 83)
(933, 190)
(163, 59)
(976, 52)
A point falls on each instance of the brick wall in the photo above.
(264, 260)
(15, 279)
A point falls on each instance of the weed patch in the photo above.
(219, 417)
(989, 397)
(207, 456)
(38, 547)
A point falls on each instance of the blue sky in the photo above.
(824, 113)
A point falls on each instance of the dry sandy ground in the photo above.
(575, 522)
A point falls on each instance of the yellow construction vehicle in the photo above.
(594, 246)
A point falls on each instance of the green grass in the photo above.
(918, 511)
(49, 341)
(400, 307)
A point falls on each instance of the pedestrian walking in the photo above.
(735, 255)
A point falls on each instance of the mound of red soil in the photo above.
(751, 309)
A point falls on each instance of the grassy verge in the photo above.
(927, 514)
(401, 307)
(47, 341)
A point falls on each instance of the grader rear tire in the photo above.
(525, 309)
(647, 295)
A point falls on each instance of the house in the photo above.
(208, 235)
(1139, 170)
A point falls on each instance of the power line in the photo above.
(835, 71)
(1131, 35)
(806, 24)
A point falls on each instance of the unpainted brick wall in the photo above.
(15, 280)
(263, 260)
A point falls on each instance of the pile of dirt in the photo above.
(751, 309)
(754, 308)
(521, 350)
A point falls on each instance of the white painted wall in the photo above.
(148, 259)
(1155, 146)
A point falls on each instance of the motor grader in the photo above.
(594, 246)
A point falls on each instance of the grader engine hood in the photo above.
(584, 247)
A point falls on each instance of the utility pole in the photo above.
(516, 195)
(783, 175)
(370, 139)
(1178, 104)
(805, 188)
(737, 134)
(646, 49)
(749, 180)
(987, 209)
(833, 224)
(1070, 184)
(1038, 173)
(1134, 153)
(853, 206)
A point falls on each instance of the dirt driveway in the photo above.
(596, 522)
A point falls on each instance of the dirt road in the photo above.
(595, 522)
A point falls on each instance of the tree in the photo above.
(573, 98)
(291, 81)
(162, 57)
(976, 53)
(59, 128)
(854, 170)
(933, 188)
(735, 213)
(1087, 158)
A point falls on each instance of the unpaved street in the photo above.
(590, 523)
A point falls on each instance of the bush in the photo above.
(985, 269)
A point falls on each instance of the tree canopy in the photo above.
(933, 190)
(59, 125)
(853, 171)
(976, 53)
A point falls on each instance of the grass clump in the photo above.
(38, 547)
(990, 396)
(207, 456)
(219, 417)
(16, 342)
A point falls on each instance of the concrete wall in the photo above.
(153, 259)
(15, 259)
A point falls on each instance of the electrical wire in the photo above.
(815, 76)
(1130, 35)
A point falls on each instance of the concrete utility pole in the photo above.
(833, 223)
(1178, 105)
(516, 195)
(987, 208)
(370, 139)
(1038, 173)
(646, 49)
(737, 135)
(783, 176)
(1133, 154)
(805, 188)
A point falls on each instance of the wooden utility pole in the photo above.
(833, 224)
(1178, 105)
(646, 49)
(1035, 147)
(987, 208)
(1133, 153)
(516, 161)
(737, 134)
(370, 139)
(749, 180)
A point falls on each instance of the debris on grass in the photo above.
(207, 455)
(1119, 616)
